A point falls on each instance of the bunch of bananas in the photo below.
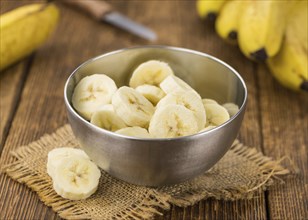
(24, 29)
(268, 31)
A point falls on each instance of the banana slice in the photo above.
(173, 121)
(215, 114)
(175, 84)
(107, 118)
(152, 93)
(56, 155)
(208, 101)
(76, 178)
(207, 128)
(190, 100)
(152, 72)
(91, 93)
(231, 108)
(132, 107)
(134, 132)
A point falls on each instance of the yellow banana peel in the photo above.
(24, 29)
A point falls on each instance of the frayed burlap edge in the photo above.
(270, 169)
(155, 199)
(69, 209)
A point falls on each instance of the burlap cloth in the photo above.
(240, 174)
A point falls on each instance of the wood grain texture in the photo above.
(11, 84)
(284, 130)
(40, 108)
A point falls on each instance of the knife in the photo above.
(102, 11)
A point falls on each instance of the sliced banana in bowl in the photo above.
(188, 99)
(132, 107)
(152, 72)
(153, 93)
(231, 108)
(155, 128)
(129, 110)
(134, 132)
(216, 114)
(173, 121)
(91, 93)
(107, 118)
(175, 84)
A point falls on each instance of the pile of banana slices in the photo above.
(157, 104)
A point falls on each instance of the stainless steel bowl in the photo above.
(157, 162)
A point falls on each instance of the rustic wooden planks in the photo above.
(39, 107)
(11, 84)
(284, 131)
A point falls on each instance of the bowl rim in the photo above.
(192, 136)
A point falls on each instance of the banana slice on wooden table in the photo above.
(91, 93)
(76, 178)
(134, 132)
(152, 72)
(175, 84)
(231, 108)
(152, 93)
(132, 107)
(56, 155)
(107, 118)
(216, 114)
(173, 121)
(188, 99)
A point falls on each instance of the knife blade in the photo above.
(102, 11)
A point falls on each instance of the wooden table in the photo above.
(276, 121)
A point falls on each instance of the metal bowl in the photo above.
(162, 161)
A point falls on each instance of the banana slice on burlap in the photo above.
(190, 100)
(152, 93)
(152, 72)
(107, 118)
(132, 107)
(175, 84)
(134, 132)
(91, 93)
(173, 121)
(231, 108)
(76, 178)
(215, 114)
(56, 155)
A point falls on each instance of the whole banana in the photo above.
(24, 29)
(261, 28)
(290, 65)
(227, 23)
(208, 9)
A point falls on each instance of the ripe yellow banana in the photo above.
(261, 28)
(290, 65)
(226, 24)
(24, 29)
(208, 9)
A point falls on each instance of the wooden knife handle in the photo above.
(97, 9)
